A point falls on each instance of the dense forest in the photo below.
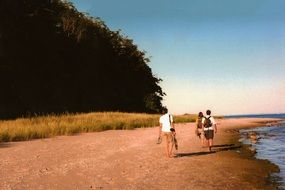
(54, 59)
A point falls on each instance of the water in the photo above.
(269, 143)
(280, 115)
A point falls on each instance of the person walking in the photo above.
(166, 127)
(199, 128)
(209, 127)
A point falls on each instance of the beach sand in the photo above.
(131, 159)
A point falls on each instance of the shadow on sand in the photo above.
(215, 149)
(223, 145)
(5, 145)
(193, 154)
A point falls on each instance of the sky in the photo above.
(224, 55)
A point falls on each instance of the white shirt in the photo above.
(165, 121)
(212, 121)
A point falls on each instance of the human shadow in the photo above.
(223, 145)
(227, 148)
(215, 149)
(5, 145)
(193, 154)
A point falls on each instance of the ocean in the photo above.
(269, 142)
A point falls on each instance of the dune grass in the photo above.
(68, 124)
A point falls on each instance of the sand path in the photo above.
(129, 159)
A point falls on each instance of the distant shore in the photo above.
(131, 159)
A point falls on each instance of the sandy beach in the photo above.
(131, 159)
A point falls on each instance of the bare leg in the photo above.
(210, 144)
(167, 149)
(171, 148)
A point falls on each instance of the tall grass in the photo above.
(69, 124)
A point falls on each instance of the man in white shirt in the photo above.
(209, 127)
(165, 124)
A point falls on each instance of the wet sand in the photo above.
(131, 159)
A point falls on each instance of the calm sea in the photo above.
(270, 143)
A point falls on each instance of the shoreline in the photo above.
(249, 138)
(88, 161)
(248, 153)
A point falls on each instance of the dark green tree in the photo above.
(54, 59)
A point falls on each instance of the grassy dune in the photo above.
(69, 124)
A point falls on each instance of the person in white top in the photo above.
(165, 124)
(209, 127)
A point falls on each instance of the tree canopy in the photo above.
(55, 59)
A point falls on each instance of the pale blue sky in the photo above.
(225, 55)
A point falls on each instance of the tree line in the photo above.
(55, 59)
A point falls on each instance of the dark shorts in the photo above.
(209, 134)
